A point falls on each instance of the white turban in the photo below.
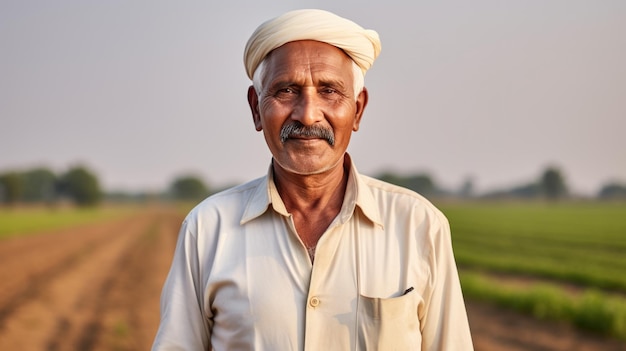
(362, 45)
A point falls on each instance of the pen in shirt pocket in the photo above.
(407, 291)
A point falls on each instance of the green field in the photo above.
(561, 261)
(25, 221)
(557, 261)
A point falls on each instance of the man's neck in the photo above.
(312, 191)
(313, 200)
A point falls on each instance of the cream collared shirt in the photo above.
(384, 276)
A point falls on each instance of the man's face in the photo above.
(307, 97)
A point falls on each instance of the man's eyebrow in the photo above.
(281, 83)
(331, 82)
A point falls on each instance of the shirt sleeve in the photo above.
(445, 324)
(184, 325)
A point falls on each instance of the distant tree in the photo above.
(10, 187)
(82, 186)
(188, 187)
(552, 183)
(420, 183)
(467, 188)
(613, 191)
(531, 190)
(39, 185)
(391, 178)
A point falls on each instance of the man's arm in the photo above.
(445, 324)
(184, 325)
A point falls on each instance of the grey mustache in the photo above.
(297, 129)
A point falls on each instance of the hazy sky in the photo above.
(143, 91)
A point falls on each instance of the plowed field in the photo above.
(94, 287)
(97, 287)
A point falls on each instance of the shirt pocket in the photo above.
(388, 323)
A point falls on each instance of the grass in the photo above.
(28, 221)
(184, 207)
(591, 310)
(577, 243)
(565, 244)
(121, 329)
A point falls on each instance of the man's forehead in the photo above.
(306, 76)
(301, 59)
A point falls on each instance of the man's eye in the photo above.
(328, 91)
(286, 91)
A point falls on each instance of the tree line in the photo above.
(551, 184)
(81, 186)
(40, 185)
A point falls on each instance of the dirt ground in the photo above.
(97, 287)
(94, 287)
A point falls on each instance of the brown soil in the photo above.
(97, 287)
(494, 329)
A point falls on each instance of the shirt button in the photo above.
(314, 302)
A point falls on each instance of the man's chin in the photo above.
(305, 168)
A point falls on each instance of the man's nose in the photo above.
(308, 110)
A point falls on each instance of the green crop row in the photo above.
(582, 243)
(591, 310)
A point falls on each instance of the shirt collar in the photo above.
(263, 195)
(357, 194)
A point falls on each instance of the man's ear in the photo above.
(361, 103)
(253, 101)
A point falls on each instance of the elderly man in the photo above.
(313, 256)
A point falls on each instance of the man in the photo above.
(313, 256)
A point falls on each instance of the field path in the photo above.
(94, 287)
(97, 287)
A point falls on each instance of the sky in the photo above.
(142, 92)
